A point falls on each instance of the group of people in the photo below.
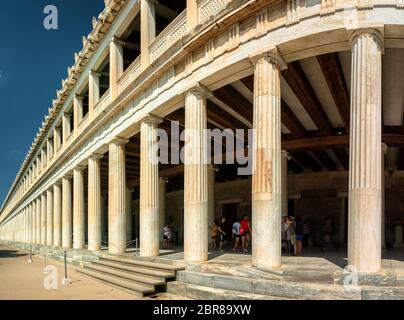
(295, 235)
(241, 234)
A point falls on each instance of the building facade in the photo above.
(319, 81)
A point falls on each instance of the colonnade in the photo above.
(56, 217)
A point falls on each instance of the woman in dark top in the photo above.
(299, 235)
(222, 234)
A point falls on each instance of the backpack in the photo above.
(236, 228)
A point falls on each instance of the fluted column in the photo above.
(266, 180)
(116, 194)
(192, 13)
(93, 89)
(49, 218)
(149, 189)
(162, 206)
(383, 232)
(43, 219)
(284, 166)
(30, 223)
(211, 193)
(78, 208)
(57, 214)
(38, 221)
(195, 177)
(147, 30)
(67, 223)
(94, 203)
(115, 66)
(129, 222)
(365, 176)
(78, 110)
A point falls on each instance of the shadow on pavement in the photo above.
(11, 254)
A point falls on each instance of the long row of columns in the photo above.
(51, 210)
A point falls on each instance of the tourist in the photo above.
(299, 235)
(291, 234)
(236, 235)
(285, 239)
(213, 235)
(167, 233)
(245, 232)
(306, 233)
(222, 233)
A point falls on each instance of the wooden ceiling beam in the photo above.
(300, 85)
(342, 157)
(325, 159)
(334, 76)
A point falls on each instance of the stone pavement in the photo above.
(20, 280)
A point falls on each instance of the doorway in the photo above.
(231, 212)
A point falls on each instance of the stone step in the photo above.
(137, 269)
(198, 292)
(140, 278)
(273, 288)
(123, 284)
(382, 293)
(146, 264)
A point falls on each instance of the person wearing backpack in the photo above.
(299, 229)
(236, 235)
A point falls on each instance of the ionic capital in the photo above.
(272, 56)
(119, 141)
(94, 73)
(376, 33)
(96, 156)
(384, 148)
(152, 119)
(198, 88)
(80, 167)
(286, 155)
(163, 180)
(213, 167)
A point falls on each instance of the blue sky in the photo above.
(33, 61)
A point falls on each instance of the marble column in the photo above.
(94, 203)
(383, 232)
(162, 206)
(78, 208)
(266, 180)
(78, 110)
(49, 144)
(147, 30)
(284, 190)
(67, 128)
(31, 240)
(128, 210)
(195, 176)
(211, 194)
(192, 14)
(115, 66)
(57, 214)
(116, 194)
(49, 218)
(43, 219)
(149, 188)
(57, 138)
(103, 219)
(93, 89)
(365, 176)
(67, 218)
(398, 236)
(33, 222)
